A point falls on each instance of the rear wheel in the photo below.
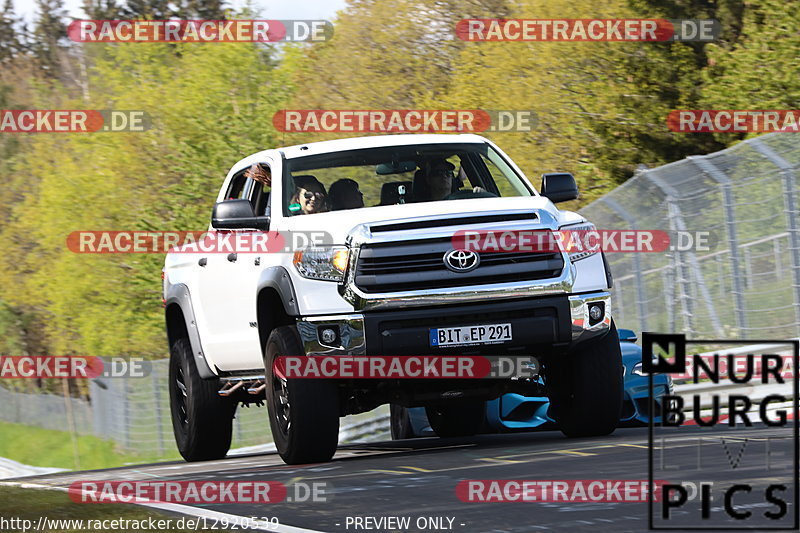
(461, 418)
(201, 420)
(400, 423)
(303, 413)
(587, 388)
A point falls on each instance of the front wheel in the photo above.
(587, 388)
(303, 413)
(201, 420)
(400, 423)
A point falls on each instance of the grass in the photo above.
(31, 504)
(44, 447)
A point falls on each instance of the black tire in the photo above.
(400, 423)
(587, 389)
(202, 420)
(462, 418)
(303, 413)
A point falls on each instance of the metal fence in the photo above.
(748, 285)
(134, 412)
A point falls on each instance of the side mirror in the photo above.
(559, 186)
(237, 214)
(627, 335)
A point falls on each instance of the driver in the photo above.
(439, 181)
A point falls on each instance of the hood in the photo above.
(340, 223)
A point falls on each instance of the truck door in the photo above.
(226, 303)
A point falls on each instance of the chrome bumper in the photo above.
(351, 333)
(351, 339)
(582, 328)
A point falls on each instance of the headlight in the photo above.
(580, 240)
(328, 264)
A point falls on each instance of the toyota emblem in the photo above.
(461, 260)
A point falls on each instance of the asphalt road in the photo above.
(417, 479)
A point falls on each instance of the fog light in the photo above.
(595, 313)
(327, 336)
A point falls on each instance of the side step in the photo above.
(253, 385)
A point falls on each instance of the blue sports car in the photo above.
(512, 412)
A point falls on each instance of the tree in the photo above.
(165, 178)
(102, 9)
(48, 34)
(759, 70)
(147, 9)
(202, 9)
(9, 40)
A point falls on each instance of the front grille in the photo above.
(419, 265)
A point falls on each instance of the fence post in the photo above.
(157, 398)
(668, 305)
(708, 168)
(790, 204)
(720, 277)
(748, 268)
(676, 223)
(641, 300)
(126, 421)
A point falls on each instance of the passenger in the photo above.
(344, 194)
(261, 173)
(310, 194)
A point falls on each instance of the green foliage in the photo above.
(31, 504)
(208, 106)
(760, 70)
(44, 447)
(601, 110)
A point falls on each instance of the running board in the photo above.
(253, 386)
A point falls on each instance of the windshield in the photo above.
(397, 175)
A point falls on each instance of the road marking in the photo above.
(573, 452)
(146, 474)
(495, 460)
(418, 469)
(634, 446)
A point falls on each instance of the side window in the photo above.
(237, 189)
(261, 199)
(260, 193)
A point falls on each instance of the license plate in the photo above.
(465, 335)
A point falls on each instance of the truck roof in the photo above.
(355, 143)
(373, 141)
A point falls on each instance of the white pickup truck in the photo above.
(386, 279)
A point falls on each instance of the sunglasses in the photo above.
(309, 195)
